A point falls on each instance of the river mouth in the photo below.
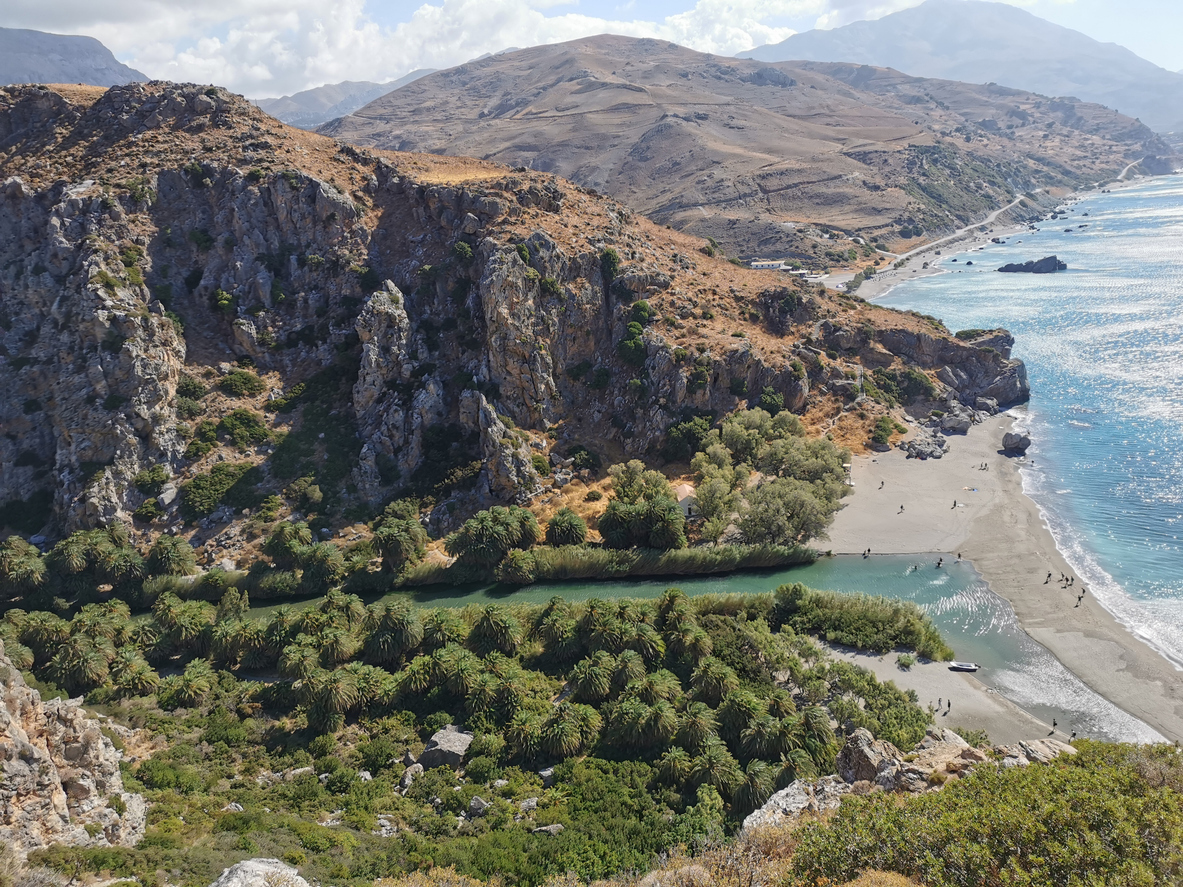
(978, 624)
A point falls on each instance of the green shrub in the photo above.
(541, 464)
(858, 620)
(882, 431)
(609, 265)
(566, 528)
(242, 383)
(202, 239)
(246, 429)
(202, 495)
(593, 496)
(187, 408)
(151, 480)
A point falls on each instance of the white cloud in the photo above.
(269, 47)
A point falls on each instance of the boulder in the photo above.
(409, 775)
(956, 423)
(548, 776)
(986, 405)
(927, 444)
(260, 873)
(1046, 265)
(800, 797)
(556, 829)
(1015, 442)
(477, 806)
(446, 748)
(864, 757)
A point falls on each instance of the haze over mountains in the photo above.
(38, 57)
(741, 150)
(980, 42)
(312, 107)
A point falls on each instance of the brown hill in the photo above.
(735, 149)
(193, 295)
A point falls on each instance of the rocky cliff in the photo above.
(59, 775)
(186, 284)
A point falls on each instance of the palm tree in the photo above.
(286, 543)
(698, 726)
(400, 543)
(715, 766)
(661, 685)
(780, 703)
(674, 766)
(171, 556)
(760, 737)
(569, 729)
(324, 566)
(647, 641)
(662, 724)
(418, 677)
(81, 664)
(120, 565)
(698, 644)
(793, 766)
(458, 669)
(44, 633)
(394, 630)
(667, 524)
(673, 607)
(101, 620)
(755, 787)
(817, 735)
(713, 679)
(22, 568)
(566, 528)
(614, 525)
(281, 628)
(591, 678)
(337, 645)
(630, 666)
(627, 721)
(483, 697)
(442, 627)
(225, 639)
(299, 661)
(523, 733)
(255, 648)
(195, 682)
(18, 654)
(496, 630)
(739, 708)
(132, 675)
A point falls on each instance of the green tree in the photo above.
(566, 528)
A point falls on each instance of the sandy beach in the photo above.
(1001, 531)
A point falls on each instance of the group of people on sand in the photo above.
(1067, 582)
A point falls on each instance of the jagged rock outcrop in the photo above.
(59, 775)
(260, 873)
(163, 230)
(867, 764)
(927, 444)
(1046, 265)
(802, 796)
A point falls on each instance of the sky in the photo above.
(265, 48)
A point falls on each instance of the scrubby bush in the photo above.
(242, 383)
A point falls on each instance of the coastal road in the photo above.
(989, 220)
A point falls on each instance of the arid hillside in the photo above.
(751, 153)
(205, 314)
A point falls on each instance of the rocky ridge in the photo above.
(154, 232)
(59, 775)
(867, 764)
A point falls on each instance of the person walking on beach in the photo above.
(901, 511)
(1049, 577)
(881, 484)
(954, 503)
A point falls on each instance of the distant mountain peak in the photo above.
(312, 107)
(38, 57)
(975, 41)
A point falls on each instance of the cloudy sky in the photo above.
(273, 47)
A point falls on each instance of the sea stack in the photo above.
(1046, 265)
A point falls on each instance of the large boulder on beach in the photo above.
(446, 748)
(927, 444)
(1046, 265)
(1015, 442)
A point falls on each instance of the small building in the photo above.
(761, 265)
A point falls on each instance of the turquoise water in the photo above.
(1103, 344)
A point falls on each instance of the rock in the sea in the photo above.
(1014, 442)
(800, 797)
(1046, 265)
(260, 873)
(446, 748)
(59, 775)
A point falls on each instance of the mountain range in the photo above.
(980, 42)
(747, 152)
(312, 107)
(38, 57)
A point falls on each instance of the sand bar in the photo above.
(997, 527)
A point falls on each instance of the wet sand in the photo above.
(1001, 531)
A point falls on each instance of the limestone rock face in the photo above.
(260, 873)
(446, 748)
(802, 796)
(864, 756)
(59, 775)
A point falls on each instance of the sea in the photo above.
(1103, 345)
